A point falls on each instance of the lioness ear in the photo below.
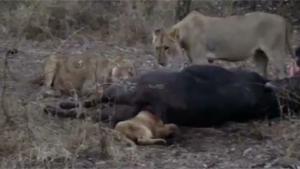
(156, 32)
(175, 34)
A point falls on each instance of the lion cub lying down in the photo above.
(145, 129)
(83, 73)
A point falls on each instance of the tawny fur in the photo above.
(84, 74)
(232, 38)
(146, 129)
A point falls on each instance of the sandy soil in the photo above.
(248, 145)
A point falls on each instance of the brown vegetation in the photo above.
(38, 29)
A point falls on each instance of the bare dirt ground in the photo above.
(41, 141)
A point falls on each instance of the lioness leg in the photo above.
(261, 62)
(89, 88)
(279, 64)
(196, 55)
(149, 141)
(50, 70)
(189, 56)
(274, 58)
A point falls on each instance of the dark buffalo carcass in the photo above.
(197, 96)
(288, 93)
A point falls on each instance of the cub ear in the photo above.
(174, 34)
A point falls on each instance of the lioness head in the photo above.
(166, 45)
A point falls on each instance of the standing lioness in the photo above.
(145, 128)
(263, 36)
(84, 74)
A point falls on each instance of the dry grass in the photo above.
(37, 140)
(125, 21)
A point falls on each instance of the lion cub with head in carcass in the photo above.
(83, 73)
(146, 129)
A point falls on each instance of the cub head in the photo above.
(122, 70)
(166, 45)
(173, 129)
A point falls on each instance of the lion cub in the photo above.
(84, 74)
(146, 129)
